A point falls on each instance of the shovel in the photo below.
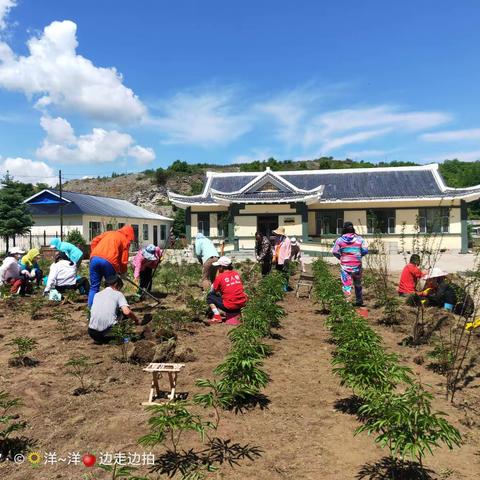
(142, 290)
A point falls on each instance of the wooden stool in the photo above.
(157, 369)
(305, 280)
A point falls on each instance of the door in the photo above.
(266, 224)
(155, 235)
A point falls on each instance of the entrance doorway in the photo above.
(266, 224)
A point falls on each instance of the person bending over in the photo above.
(11, 272)
(227, 294)
(72, 251)
(207, 255)
(144, 263)
(29, 264)
(108, 308)
(109, 255)
(63, 276)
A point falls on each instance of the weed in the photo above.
(9, 423)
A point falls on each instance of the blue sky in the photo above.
(98, 86)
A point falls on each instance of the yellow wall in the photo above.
(455, 221)
(358, 218)
(312, 224)
(245, 226)
(291, 229)
(267, 209)
(194, 224)
(407, 217)
(213, 225)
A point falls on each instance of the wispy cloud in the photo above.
(201, 118)
(452, 135)
(363, 154)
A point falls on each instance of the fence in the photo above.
(28, 241)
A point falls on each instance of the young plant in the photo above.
(9, 422)
(122, 332)
(23, 346)
(35, 307)
(64, 321)
(406, 424)
(80, 367)
(197, 306)
(169, 421)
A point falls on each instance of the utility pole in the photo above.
(61, 204)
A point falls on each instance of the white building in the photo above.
(91, 215)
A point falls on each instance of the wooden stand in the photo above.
(305, 280)
(157, 369)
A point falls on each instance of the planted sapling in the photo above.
(23, 346)
(80, 367)
(122, 332)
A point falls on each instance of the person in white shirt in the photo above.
(107, 309)
(11, 272)
(63, 276)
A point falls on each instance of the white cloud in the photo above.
(200, 119)
(55, 75)
(5, 7)
(142, 154)
(452, 135)
(101, 146)
(28, 171)
(300, 124)
(358, 137)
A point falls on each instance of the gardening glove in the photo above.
(472, 325)
(32, 274)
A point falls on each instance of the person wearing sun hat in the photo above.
(263, 252)
(11, 272)
(227, 294)
(144, 263)
(282, 253)
(443, 293)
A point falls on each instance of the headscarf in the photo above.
(29, 258)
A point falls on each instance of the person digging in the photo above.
(108, 308)
(227, 295)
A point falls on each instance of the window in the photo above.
(120, 225)
(434, 220)
(381, 220)
(204, 223)
(145, 231)
(222, 224)
(94, 228)
(329, 222)
(163, 232)
(109, 227)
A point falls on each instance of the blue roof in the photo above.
(82, 204)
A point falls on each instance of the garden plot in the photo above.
(299, 425)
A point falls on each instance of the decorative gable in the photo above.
(267, 187)
(268, 183)
(46, 198)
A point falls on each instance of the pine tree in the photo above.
(15, 218)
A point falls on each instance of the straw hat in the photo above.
(279, 231)
(16, 251)
(435, 273)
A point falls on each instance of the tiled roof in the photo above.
(81, 203)
(410, 183)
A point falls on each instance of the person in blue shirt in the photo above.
(73, 252)
(207, 255)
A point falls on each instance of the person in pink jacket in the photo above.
(282, 253)
(144, 263)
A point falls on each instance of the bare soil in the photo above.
(303, 430)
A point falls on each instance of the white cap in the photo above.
(16, 251)
(293, 240)
(222, 262)
(435, 273)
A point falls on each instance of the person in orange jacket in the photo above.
(109, 255)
